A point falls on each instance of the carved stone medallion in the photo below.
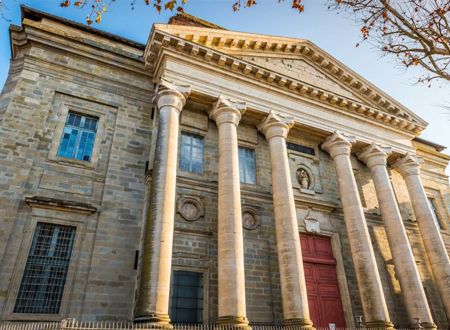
(249, 220)
(190, 208)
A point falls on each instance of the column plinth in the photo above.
(374, 305)
(375, 157)
(409, 168)
(154, 289)
(292, 278)
(232, 305)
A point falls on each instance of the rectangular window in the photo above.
(300, 148)
(45, 272)
(191, 153)
(186, 305)
(431, 201)
(247, 166)
(77, 141)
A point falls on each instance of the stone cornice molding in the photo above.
(60, 205)
(407, 165)
(338, 144)
(394, 116)
(374, 154)
(276, 124)
(170, 94)
(225, 110)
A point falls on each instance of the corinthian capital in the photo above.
(374, 154)
(338, 144)
(276, 124)
(407, 165)
(170, 94)
(227, 111)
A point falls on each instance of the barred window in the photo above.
(431, 201)
(247, 166)
(45, 272)
(77, 141)
(191, 153)
(186, 305)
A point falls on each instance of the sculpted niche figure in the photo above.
(303, 178)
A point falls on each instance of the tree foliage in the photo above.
(416, 32)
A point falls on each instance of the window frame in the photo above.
(79, 135)
(205, 272)
(253, 149)
(29, 261)
(180, 146)
(62, 117)
(40, 215)
(435, 211)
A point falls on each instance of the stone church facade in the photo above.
(212, 176)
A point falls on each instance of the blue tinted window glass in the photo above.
(247, 166)
(191, 153)
(77, 141)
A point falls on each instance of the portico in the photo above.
(347, 127)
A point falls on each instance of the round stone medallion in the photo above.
(189, 211)
(249, 221)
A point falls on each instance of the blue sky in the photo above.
(336, 34)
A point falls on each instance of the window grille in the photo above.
(300, 148)
(431, 201)
(191, 153)
(247, 166)
(45, 272)
(186, 305)
(78, 138)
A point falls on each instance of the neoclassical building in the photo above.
(213, 176)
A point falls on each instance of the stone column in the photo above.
(409, 168)
(292, 277)
(375, 156)
(376, 314)
(154, 290)
(232, 308)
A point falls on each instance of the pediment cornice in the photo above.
(213, 46)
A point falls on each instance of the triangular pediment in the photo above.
(300, 69)
(292, 63)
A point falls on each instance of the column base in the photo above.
(379, 325)
(298, 323)
(154, 321)
(238, 322)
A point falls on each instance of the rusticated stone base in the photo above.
(379, 325)
(155, 321)
(298, 323)
(239, 322)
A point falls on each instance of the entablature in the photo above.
(236, 44)
(208, 82)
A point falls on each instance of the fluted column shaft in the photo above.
(369, 283)
(232, 306)
(375, 156)
(292, 276)
(409, 168)
(154, 290)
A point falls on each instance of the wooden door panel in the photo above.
(324, 299)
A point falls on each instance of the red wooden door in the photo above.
(325, 305)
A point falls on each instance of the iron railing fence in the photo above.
(72, 324)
